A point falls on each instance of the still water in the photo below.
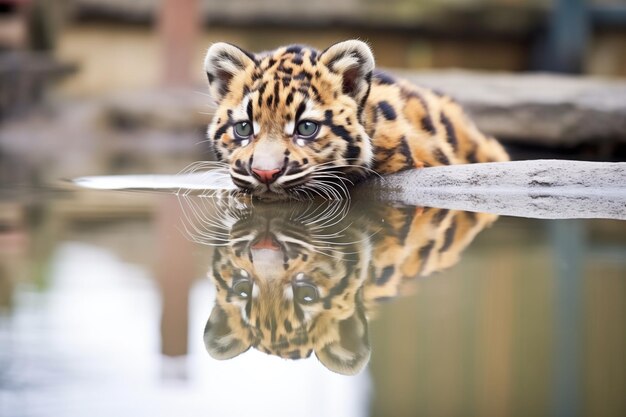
(133, 303)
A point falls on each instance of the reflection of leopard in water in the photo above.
(289, 284)
(294, 121)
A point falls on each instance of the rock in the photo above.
(543, 109)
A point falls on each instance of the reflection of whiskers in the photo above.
(321, 221)
(210, 221)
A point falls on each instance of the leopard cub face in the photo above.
(289, 122)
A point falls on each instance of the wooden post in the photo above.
(178, 28)
(179, 25)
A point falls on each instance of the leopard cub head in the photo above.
(289, 122)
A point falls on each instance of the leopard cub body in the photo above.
(298, 122)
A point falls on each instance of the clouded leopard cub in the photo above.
(297, 122)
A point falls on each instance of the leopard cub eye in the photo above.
(243, 288)
(304, 292)
(243, 130)
(307, 129)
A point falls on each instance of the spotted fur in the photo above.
(367, 120)
(348, 270)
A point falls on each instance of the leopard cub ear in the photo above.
(219, 338)
(354, 61)
(222, 63)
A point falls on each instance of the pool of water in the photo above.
(134, 303)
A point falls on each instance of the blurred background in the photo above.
(90, 86)
(117, 298)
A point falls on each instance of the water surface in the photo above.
(136, 303)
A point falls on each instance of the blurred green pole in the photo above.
(568, 36)
(568, 239)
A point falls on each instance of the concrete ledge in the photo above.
(547, 189)
(542, 189)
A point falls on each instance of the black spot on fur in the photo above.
(405, 150)
(294, 49)
(249, 111)
(448, 237)
(294, 354)
(352, 153)
(284, 69)
(287, 325)
(439, 216)
(300, 110)
(387, 110)
(450, 133)
(302, 75)
(336, 129)
(261, 92)
(339, 288)
(441, 157)
(403, 232)
(424, 253)
(289, 99)
(223, 128)
(283, 343)
(427, 124)
(427, 121)
(385, 275)
(316, 95)
(471, 156)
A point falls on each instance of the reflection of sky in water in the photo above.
(91, 346)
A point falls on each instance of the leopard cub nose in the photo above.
(266, 176)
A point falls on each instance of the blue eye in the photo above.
(307, 129)
(243, 130)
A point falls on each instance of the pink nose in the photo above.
(266, 176)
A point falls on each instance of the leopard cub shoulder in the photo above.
(298, 122)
